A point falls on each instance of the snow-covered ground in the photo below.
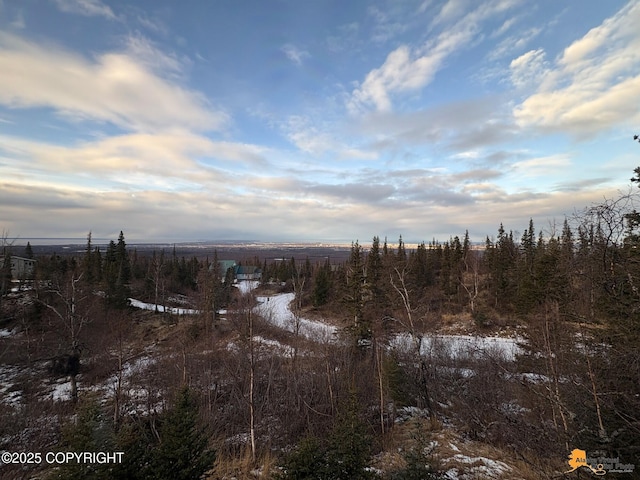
(161, 308)
(276, 310)
(61, 390)
(460, 346)
(5, 332)
(476, 467)
(8, 376)
(264, 346)
(246, 286)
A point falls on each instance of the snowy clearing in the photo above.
(276, 310)
(460, 346)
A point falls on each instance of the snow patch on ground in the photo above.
(274, 346)
(263, 345)
(8, 376)
(135, 395)
(61, 391)
(161, 308)
(276, 311)
(246, 286)
(405, 414)
(479, 467)
(460, 346)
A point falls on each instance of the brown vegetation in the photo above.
(269, 401)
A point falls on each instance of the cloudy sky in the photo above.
(318, 120)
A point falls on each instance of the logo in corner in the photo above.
(598, 466)
(578, 458)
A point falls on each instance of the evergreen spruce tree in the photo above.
(90, 431)
(136, 438)
(452, 267)
(401, 256)
(420, 463)
(566, 266)
(87, 262)
(457, 264)
(96, 263)
(344, 455)
(349, 447)
(503, 255)
(305, 462)
(447, 272)
(122, 260)
(466, 245)
(527, 294)
(374, 275)
(110, 273)
(547, 273)
(117, 272)
(420, 274)
(183, 453)
(354, 296)
(322, 285)
(28, 251)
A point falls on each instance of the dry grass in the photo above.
(457, 323)
(243, 466)
(482, 461)
(470, 459)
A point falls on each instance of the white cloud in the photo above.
(167, 161)
(409, 69)
(153, 24)
(148, 54)
(318, 140)
(424, 5)
(401, 72)
(388, 23)
(116, 87)
(277, 207)
(528, 68)
(451, 10)
(594, 84)
(459, 126)
(295, 54)
(505, 27)
(88, 8)
(514, 43)
(541, 166)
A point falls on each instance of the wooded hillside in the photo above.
(227, 391)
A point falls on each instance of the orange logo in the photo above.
(598, 466)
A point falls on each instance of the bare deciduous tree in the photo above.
(470, 280)
(69, 306)
(400, 286)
